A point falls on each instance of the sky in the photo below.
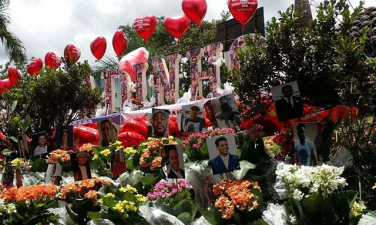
(50, 25)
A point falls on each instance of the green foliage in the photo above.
(56, 97)
(32, 213)
(330, 67)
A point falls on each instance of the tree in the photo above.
(56, 97)
(13, 46)
(331, 69)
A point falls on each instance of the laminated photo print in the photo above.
(175, 165)
(158, 122)
(80, 163)
(118, 163)
(53, 174)
(223, 154)
(210, 114)
(307, 141)
(23, 147)
(64, 137)
(226, 111)
(39, 145)
(192, 119)
(108, 132)
(287, 100)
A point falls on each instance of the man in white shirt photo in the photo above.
(173, 169)
(224, 162)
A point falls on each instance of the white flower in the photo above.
(11, 208)
(298, 195)
(293, 219)
(132, 87)
(275, 214)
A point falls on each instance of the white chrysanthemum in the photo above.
(275, 214)
(11, 208)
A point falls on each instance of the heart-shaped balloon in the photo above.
(6, 84)
(14, 75)
(139, 55)
(98, 47)
(119, 42)
(71, 52)
(242, 10)
(52, 60)
(145, 26)
(83, 135)
(195, 10)
(177, 26)
(34, 66)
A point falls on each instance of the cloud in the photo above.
(49, 25)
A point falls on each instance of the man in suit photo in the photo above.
(289, 106)
(224, 162)
(173, 163)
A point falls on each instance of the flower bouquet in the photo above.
(149, 161)
(120, 206)
(82, 195)
(237, 202)
(31, 204)
(61, 157)
(175, 199)
(316, 194)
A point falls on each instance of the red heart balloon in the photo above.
(34, 66)
(84, 135)
(98, 47)
(129, 138)
(7, 85)
(119, 42)
(52, 60)
(195, 10)
(71, 52)
(145, 26)
(139, 55)
(242, 10)
(177, 26)
(14, 75)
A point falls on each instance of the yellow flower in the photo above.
(171, 138)
(129, 151)
(95, 157)
(151, 139)
(140, 198)
(106, 152)
(101, 201)
(128, 188)
(118, 207)
(109, 195)
(18, 162)
(374, 186)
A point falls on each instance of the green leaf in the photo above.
(6, 152)
(110, 202)
(13, 139)
(212, 215)
(149, 179)
(185, 217)
(16, 119)
(185, 206)
(313, 204)
(14, 104)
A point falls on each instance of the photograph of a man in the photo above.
(40, 141)
(194, 119)
(305, 149)
(118, 165)
(288, 105)
(159, 123)
(107, 132)
(222, 153)
(175, 166)
(80, 166)
(226, 112)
